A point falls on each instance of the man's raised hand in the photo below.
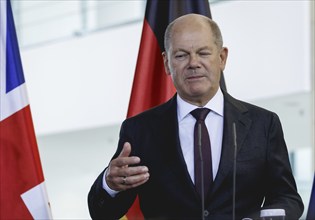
(120, 176)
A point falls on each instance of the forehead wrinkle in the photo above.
(191, 40)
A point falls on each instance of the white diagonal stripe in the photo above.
(36, 201)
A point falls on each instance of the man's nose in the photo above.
(194, 61)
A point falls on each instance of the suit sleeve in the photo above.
(281, 186)
(101, 204)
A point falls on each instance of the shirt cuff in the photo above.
(110, 191)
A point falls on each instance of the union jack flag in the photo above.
(22, 189)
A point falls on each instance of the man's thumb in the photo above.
(125, 152)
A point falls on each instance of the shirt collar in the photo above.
(215, 104)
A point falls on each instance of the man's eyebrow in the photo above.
(204, 48)
(198, 49)
(181, 50)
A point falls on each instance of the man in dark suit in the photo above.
(155, 154)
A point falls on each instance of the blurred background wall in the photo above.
(79, 59)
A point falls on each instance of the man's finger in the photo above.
(134, 181)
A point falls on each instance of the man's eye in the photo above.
(204, 54)
(180, 56)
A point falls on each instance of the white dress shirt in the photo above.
(214, 123)
(186, 122)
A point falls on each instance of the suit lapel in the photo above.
(171, 150)
(234, 112)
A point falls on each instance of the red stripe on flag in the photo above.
(20, 168)
(151, 85)
(134, 212)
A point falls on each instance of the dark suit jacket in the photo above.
(263, 171)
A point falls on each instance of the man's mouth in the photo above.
(195, 77)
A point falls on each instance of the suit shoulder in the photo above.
(158, 112)
(155, 111)
(250, 108)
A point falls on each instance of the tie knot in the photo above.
(200, 113)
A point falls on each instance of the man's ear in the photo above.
(165, 61)
(223, 57)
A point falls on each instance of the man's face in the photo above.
(194, 62)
